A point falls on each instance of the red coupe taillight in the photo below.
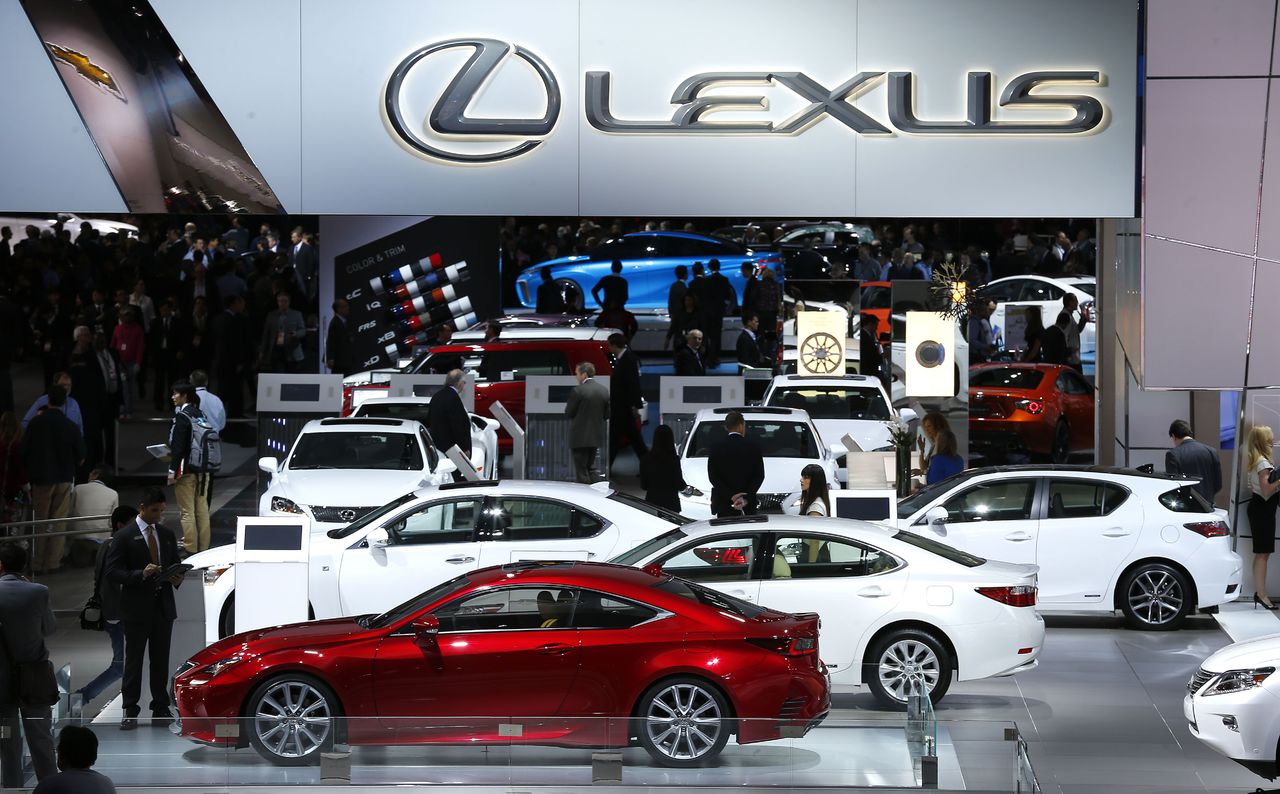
(732, 555)
(787, 646)
(1023, 595)
(1209, 529)
(1033, 407)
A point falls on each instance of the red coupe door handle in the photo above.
(555, 649)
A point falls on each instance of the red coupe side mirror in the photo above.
(425, 630)
(653, 569)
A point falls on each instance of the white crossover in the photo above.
(1233, 704)
(1105, 539)
(340, 469)
(853, 405)
(484, 431)
(901, 612)
(787, 439)
(425, 537)
(1047, 294)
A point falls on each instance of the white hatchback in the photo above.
(340, 469)
(853, 405)
(1105, 539)
(787, 439)
(1233, 704)
(423, 538)
(899, 610)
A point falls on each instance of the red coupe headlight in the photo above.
(1033, 407)
(1209, 529)
(1023, 595)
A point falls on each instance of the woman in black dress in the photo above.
(660, 474)
(1262, 508)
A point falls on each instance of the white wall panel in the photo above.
(1209, 37)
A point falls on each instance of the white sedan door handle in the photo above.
(1117, 532)
(874, 591)
(459, 559)
(741, 594)
(1018, 537)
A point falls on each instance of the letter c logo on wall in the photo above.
(449, 115)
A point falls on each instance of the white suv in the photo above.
(787, 439)
(1233, 704)
(340, 469)
(855, 405)
(1105, 538)
(484, 431)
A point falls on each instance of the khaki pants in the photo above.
(50, 501)
(193, 511)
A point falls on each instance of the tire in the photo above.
(901, 660)
(1061, 450)
(683, 722)
(1155, 597)
(574, 298)
(291, 719)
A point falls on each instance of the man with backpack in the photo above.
(195, 451)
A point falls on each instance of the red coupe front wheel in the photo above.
(292, 719)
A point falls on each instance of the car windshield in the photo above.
(710, 598)
(1089, 287)
(1006, 378)
(915, 502)
(941, 549)
(634, 555)
(834, 402)
(413, 605)
(371, 517)
(365, 450)
(417, 411)
(776, 439)
(644, 507)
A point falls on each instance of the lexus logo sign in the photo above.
(449, 116)
(449, 120)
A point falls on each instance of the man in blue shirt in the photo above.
(210, 404)
(71, 409)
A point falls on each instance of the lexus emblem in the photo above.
(449, 115)
(347, 514)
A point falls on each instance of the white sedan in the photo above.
(340, 469)
(426, 537)
(1233, 704)
(899, 610)
(853, 405)
(484, 431)
(1105, 539)
(787, 439)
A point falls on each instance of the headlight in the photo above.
(211, 575)
(281, 505)
(1234, 681)
(223, 664)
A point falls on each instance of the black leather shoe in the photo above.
(160, 719)
(129, 723)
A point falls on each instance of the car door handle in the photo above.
(1018, 537)
(1117, 532)
(555, 649)
(458, 559)
(742, 594)
(874, 591)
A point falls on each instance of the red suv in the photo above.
(500, 369)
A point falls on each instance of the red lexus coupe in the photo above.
(578, 654)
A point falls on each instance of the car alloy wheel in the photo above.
(683, 722)
(907, 662)
(292, 720)
(1155, 598)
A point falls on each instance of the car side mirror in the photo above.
(653, 569)
(936, 518)
(269, 464)
(379, 538)
(425, 630)
(907, 415)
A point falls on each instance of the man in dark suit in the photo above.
(748, 345)
(139, 553)
(721, 299)
(735, 467)
(1191, 458)
(625, 400)
(611, 290)
(338, 356)
(447, 418)
(1053, 342)
(303, 260)
(113, 383)
(25, 620)
(688, 357)
(232, 350)
(170, 338)
(52, 448)
(549, 301)
(587, 409)
(870, 354)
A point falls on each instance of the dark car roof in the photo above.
(685, 235)
(1066, 467)
(537, 344)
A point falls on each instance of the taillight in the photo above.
(1033, 407)
(348, 399)
(732, 555)
(787, 646)
(1209, 529)
(1023, 595)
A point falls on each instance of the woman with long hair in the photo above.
(933, 423)
(945, 461)
(1262, 508)
(815, 499)
(1035, 329)
(660, 475)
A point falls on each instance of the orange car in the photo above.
(1019, 412)
(876, 298)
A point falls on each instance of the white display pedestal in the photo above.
(272, 554)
